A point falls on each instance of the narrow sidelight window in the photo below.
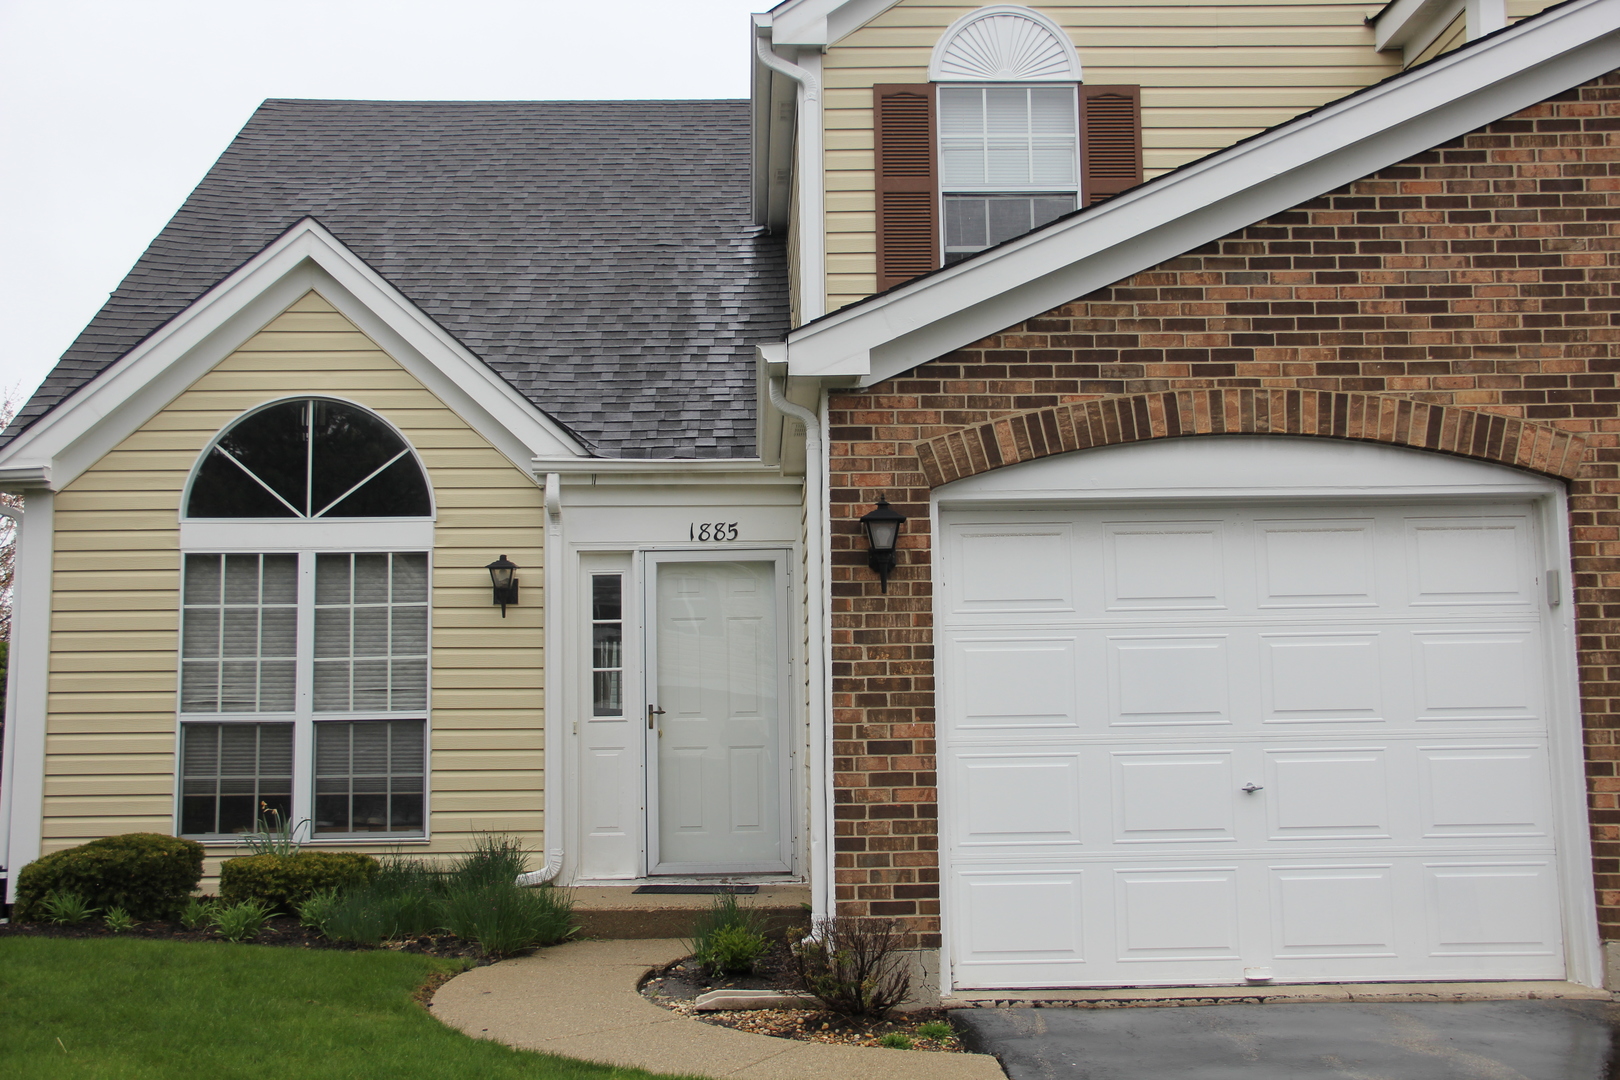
(607, 644)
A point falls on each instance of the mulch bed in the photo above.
(677, 987)
(283, 931)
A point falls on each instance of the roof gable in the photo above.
(928, 317)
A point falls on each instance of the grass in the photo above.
(126, 1009)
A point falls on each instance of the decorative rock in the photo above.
(734, 1000)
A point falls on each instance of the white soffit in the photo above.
(101, 414)
(822, 22)
(1229, 190)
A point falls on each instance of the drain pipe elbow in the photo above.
(551, 573)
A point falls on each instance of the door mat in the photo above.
(699, 890)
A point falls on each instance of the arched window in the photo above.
(1004, 43)
(309, 458)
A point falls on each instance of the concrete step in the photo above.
(618, 912)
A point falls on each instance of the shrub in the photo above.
(493, 860)
(506, 919)
(367, 916)
(282, 882)
(240, 922)
(65, 908)
(146, 874)
(118, 920)
(853, 966)
(729, 937)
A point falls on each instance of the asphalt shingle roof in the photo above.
(599, 255)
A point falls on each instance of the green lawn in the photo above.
(164, 1010)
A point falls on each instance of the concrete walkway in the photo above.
(580, 1000)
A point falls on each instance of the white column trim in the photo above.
(27, 675)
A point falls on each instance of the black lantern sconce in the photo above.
(504, 575)
(882, 537)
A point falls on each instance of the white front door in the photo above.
(1182, 743)
(717, 777)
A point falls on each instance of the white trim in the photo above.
(1411, 25)
(879, 338)
(99, 415)
(820, 22)
(22, 783)
(1392, 473)
(280, 534)
(807, 163)
(943, 68)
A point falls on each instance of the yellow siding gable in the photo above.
(1211, 73)
(111, 731)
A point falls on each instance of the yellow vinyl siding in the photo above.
(1453, 36)
(1211, 73)
(110, 745)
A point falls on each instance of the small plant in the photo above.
(118, 920)
(64, 907)
(240, 922)
(896, 1040)
(937, 1030)
(317, 910)
(853, 966)
(507, 919)
(197, 913)
(273, 833)
(493, 860)
(728, 938)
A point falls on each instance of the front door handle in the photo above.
(653, 712)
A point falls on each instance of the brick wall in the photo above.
(1462, 300)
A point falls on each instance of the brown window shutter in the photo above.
(907, 182)
(1110, 141)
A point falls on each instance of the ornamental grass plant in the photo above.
(728, 938)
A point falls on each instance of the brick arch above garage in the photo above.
(1037, 433)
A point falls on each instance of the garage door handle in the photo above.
(1252, 788)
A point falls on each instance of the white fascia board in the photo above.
(1231, 189)
(101, 414)
(1405, 21)
(822, 22)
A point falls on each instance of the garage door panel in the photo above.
(1468, 560)
(1025, 800)
(1025, 569)
(1316, 563)
(1181, 913)
(1008, 685)
(1165, 797)
(1322, 678)
(1170, 680)
(1165, 565)
(1484, 791)
(1333, 912)
(1329, 794)
(1477, 675)
(1022, 926)
(1492, 909)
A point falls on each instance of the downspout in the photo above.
(7, 757)
(817, 671)
(812, 199)
(551, 600)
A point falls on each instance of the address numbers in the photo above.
(709, 532)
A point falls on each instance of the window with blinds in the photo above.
(607, 645)
(370, 632)
(233, 775)
(240, 629)
(1009, 162)
(369, 776)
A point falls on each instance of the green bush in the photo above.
(147, 874)
(282, 882)
(505, 919)
(729, 937)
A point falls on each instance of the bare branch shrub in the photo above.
(10, 402)
(855, 967)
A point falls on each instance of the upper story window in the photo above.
(1004, 137)
(309, 458)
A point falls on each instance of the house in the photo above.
(1244, 377)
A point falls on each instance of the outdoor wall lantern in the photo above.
(503, 573)
(882, 536)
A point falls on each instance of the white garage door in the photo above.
(1182, 742)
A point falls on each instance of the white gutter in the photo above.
(8, 758)
(817, 665)
(812, 199)
(550, 611)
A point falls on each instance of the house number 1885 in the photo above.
(708, 531)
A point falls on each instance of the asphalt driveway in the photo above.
(1475, 1040)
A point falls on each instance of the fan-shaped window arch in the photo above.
(309, 458)
(1004, 43)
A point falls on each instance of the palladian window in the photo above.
(304, 666)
